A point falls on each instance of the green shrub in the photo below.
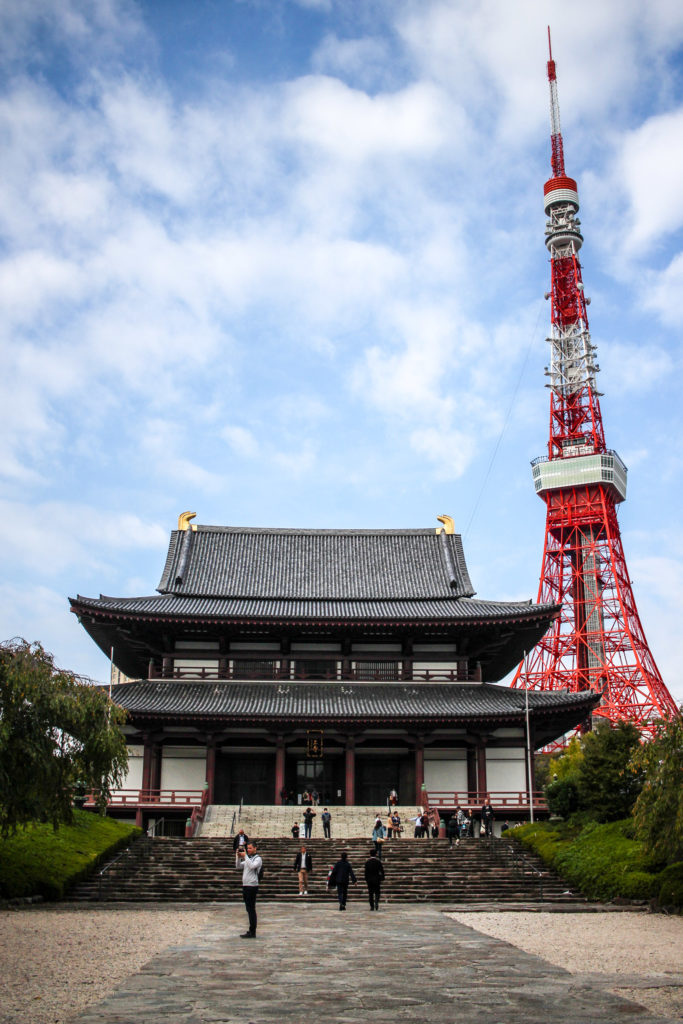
(603, 861)
(638, 885)
(39, 861)
(562, 797)
(671, 886)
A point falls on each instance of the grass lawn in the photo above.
(39, 861)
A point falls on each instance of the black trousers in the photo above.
(249, 894)
(374, 894)
(342, 893)
(327, 826)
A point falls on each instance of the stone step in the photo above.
(274, 821)
(199, 871)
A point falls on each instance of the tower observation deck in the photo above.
(597, 643)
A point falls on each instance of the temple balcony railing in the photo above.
(389, 672)
(502, 801)
(152, 798)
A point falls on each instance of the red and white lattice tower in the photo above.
(597, 642)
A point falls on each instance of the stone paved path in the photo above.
(312, 963)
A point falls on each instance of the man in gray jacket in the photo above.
(251, 865)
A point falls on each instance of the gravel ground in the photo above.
(642, 953)
(56, 961)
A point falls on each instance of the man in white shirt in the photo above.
(250, 864)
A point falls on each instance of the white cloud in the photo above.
(649, 170)
(51, 536)
(364, 59)
(241, 440)
(352, 126)
(661, 291)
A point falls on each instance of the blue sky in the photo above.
(281, 262)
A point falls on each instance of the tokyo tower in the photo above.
(597, 642)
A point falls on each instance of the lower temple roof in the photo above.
(304, 704)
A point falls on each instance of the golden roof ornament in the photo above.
(448, 524)
(184, 521)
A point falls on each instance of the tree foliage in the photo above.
(658, 811)
(595, 775)
(608, 781)
(58, 735)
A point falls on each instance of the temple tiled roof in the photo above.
(380, 565)
(173, 606)
(347, 702)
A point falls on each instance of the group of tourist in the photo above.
(307, 823)
(459, 826)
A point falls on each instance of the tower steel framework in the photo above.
(597, 642)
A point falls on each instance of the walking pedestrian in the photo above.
(340, 876)
(487, 817)
(374, 876)
(250, 864)
(326, 819)
(378, 834)
(241, 839)
(303, 863)
(452, 830)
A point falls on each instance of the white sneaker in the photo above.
(300, 894)
(305, 892)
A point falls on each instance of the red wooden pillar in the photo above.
(419, 770)
(471, 775)
(147, 754)
(210, 767)
(350, 781)
(155, 773)
(481, 771)
(279, 769)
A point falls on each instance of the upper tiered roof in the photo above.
(227, 576)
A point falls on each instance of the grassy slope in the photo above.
(603, 861)
(40, 861)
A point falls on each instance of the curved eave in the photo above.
(537, 613)
(549, 719)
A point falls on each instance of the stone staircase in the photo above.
(273, 822)
(200, 870)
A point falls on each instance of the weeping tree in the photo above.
(58, 736)
(658, 812)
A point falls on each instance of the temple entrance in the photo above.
(249, 777)
(375, 779)
(324, 775)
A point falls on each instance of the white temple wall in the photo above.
(505, 769)
(133, 777)
(445, 769)
(183, 768)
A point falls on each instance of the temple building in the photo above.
(353, 662)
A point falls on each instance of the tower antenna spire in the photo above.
(557, 148)
(597, 641)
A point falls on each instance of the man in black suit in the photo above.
(241, 839)
(374, 876)
(341, 875)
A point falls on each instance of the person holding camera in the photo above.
(250, 864)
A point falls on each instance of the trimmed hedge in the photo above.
(37, 861)
(671, 888)
(603, 861)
